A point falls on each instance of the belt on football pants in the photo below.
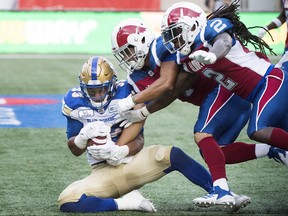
(99, 163)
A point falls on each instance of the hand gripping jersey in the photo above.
(79, 112)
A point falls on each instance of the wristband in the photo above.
(277, 22)
(79, 142)
(145, 112)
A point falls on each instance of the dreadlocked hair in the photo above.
(240, 30)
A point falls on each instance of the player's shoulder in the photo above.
(219, 24)
(123, 89)
(159, 51)
(72, 100)
(213, 28)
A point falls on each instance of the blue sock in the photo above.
(190, 168)
(90, 204)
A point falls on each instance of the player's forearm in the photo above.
(277, 22)
(165, 83)
(132, 138)
(74, 148)
(183, 82)
(136, 145)
(157, 89)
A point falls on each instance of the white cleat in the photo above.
(218, 196)
(241, 201)
(147, 206)
(135, 201)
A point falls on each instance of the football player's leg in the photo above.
(239, 152)
(190, 168)
(240, 111)
(97, 193)
(154, 162)
(90, 204)
(266, 115)
(79, 195)
(211, 123)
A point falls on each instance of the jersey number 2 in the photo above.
(218, 25)
(218, 77)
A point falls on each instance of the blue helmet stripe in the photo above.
(94, 68)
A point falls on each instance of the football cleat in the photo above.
(147, 206)
(241, 201)
(218, 196)
(279, 155)
(135, 201)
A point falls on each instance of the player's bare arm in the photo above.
(74, 148)
(183, 82)
(164, 84)
(132, 136)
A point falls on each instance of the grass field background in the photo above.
(36, 165)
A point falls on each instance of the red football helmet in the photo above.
(131, 40)
(181, 23)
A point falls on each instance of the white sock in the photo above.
(129, 201)
(121, 203)
(261, 150)
(222, 183)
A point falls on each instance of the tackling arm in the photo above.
(164, 84)
(132, 136)
(184, 81)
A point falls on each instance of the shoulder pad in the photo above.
(72, 100)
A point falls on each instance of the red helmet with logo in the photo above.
(181, 23)
(131, 40)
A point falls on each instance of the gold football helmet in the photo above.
(97, 81)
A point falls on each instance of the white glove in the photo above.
(262, 32)
(125, 104)
(114, 162)
(203, 57)
(137, 115)
(101, 152)
(131, 116)
(118, 154)
(121, 118)
(90, 131)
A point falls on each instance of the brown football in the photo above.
(99, 140)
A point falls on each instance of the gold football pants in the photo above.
(114, 181)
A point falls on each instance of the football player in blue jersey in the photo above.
(112, 151)
(152, 73)
(217, 49)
